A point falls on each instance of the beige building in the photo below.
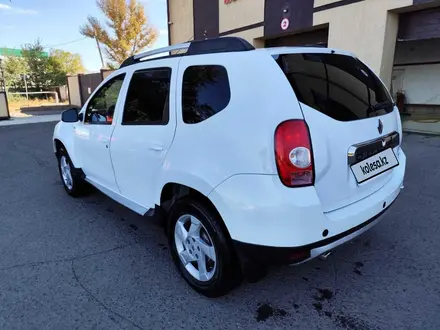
(398, 39)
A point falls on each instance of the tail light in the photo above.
(293, 154)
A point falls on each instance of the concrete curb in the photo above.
(412, 131)
(30, 120)
(421, 127)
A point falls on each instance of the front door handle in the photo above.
(104, 140)
(156, 148)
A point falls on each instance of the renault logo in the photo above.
(380, 127)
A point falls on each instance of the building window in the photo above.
(206, 92)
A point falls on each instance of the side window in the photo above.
(147, 98)
(102, 106)
(205, 92)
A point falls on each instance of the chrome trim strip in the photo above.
(386, 141)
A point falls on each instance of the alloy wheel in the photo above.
(195, 248)
(66, 172)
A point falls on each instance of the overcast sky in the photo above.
(57, 22)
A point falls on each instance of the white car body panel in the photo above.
(69, 133)
(258, 210)
(203, 147)
(119, 198)
(64, 132)
(335, 182)
(138, 151)
(93, 145)
(229, 157)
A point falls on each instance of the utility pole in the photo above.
(100, 53)
(2, 78)
(25, 86)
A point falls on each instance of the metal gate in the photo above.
(4, 110)
(87, 84)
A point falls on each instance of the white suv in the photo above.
(254, 157)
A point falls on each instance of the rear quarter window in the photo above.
(339, 86)
(205, 92)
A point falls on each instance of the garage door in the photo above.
(419, 25)
(312, 38)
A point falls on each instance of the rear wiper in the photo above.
(383, 105)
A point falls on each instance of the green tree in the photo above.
(129, 32)
(38, 65)
(61, 64)
(14, 68)
(41, 71)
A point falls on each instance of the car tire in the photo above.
(223, 274)
(72, 178)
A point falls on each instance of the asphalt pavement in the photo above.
(90, 263)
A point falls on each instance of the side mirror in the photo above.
(70, 116)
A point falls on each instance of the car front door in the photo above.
(93, 135)
(145, 131)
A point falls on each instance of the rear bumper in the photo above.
(258, 210)
(268, 255)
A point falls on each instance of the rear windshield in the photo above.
(339, 86)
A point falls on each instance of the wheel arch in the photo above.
(173, 191)
(57, 144)
(68, 146)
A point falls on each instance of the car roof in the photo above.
(270, 51)
(304, 50)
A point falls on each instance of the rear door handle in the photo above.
(156, 148)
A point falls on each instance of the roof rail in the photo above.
(209, 46)
(138, 57)
(162, 50)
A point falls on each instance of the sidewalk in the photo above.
(421, 124)
(30, 120)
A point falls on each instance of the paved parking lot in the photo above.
(90, 263)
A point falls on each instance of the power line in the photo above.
(65, 43)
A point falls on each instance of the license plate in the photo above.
(374, 165)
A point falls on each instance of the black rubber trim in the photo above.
(290, 255)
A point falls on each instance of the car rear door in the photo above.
(145, 130)
(353, 124)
